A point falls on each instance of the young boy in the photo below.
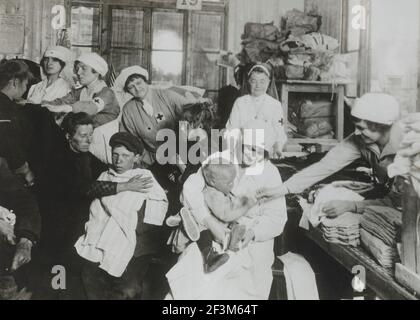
(110, 236)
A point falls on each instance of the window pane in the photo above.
(85, 26)
(205, 71)
(353, 35)
(167, 30)
(167, 67)
(127, 28)
(79, 50)
(203, 40)
(353, 64)
(122, 58)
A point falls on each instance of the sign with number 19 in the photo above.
(189, 4)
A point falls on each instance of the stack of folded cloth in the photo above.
(381, 231)
(344, 230)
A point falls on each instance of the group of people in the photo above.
(83, 161)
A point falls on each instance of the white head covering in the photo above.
(95, 61)
(377, 107)
(58, 52)
(262, 66)
(127, 72)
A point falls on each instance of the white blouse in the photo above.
(263, 108)
(41, 92)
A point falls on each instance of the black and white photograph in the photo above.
(225, 152)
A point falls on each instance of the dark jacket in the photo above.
(14, 196)
(14, 133)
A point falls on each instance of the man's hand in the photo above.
(29, 179)
(248, 237)
(22, 254)
(333, 209)
(7, 233)
(27, 175)
(136, 184)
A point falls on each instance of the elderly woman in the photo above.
(15, 137)
(258, 105)
(149, 111)
(247, 274)
(53, 86)
(94, 98)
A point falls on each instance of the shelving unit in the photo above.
(298, 86)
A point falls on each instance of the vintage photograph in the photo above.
(202, 150)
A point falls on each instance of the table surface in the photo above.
(381, 280)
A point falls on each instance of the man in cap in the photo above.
(376, 139)
(126, 269)
(94, 97)
(20, 224)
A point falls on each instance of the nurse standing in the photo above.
(258, 105)
(53, 86)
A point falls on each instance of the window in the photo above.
(127, 40)
(206, 46)
(174, 45)
(85, 26)
(167, 47)
(351, 45)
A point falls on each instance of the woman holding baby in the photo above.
(247, 274)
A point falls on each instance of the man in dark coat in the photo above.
(16, 242)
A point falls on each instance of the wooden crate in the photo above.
(298, 86)
(408, 271)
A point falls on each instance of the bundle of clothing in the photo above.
(298, 23)
(344, 230)
(407, 159)
(260, 42)
(381, 231)
(296, 51)
(313, 118)
(308, 53)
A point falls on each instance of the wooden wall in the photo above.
(38, 31)
(331, 12)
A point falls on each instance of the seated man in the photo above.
(110, 236)
(16, 241)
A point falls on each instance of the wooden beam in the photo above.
(379, 279)
(407, 278)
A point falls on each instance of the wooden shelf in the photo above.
(378, 278)
(328, 142)
(297, 86)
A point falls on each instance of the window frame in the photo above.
(364, 50)
(105, 36)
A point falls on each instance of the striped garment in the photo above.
(110, 236)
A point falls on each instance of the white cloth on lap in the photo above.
(110, 236)
(300, 278)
